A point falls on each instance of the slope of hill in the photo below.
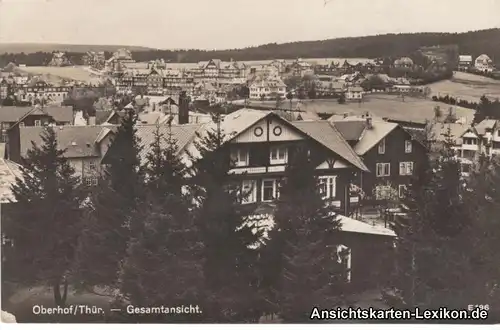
(36, 47)
(387, 45)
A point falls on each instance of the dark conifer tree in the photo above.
(111, 216)
(43, 222)
(164, 264)
(228, 268)
(306, 269)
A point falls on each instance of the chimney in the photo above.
(183, 108)
(346, 115)
(369, 122)
(92, 121)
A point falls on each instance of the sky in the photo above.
(222, 24)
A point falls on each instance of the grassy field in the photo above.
(467, 86)
(415, 110)
(57, 73)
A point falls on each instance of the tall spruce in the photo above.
(432, 238)
(43, 222)
(483, 197)
(164, 264)
(228, 267)
(308, 272)
(164, 170)
(111, 216)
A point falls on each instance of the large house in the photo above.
(483, 63)
(59, 59)
(94, 59)
(259, 144)
(84, 146)
(11, 118)
(464, 62)
(267, 88)
(389, 152)
(216, 69)
(473, 141)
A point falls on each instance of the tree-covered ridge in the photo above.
(472, 43)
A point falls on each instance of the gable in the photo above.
(327, 164)
(277, 130)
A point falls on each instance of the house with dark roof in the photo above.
(84, 146)
(259, 145)
(11, 118)
(390, 153)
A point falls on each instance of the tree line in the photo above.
(474, 43)
(158, 232)
(485, 108)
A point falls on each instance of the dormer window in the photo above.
(278, 155)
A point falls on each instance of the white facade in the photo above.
(267, 89)
(484, 63)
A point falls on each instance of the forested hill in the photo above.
(388, 45)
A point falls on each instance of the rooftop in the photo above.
(78, 141)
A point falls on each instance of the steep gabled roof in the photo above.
(9, 171)
(79, 141)
(326, 134)
(372, 136)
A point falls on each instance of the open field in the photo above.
(70, 72)
(467, 86)
(415, 110)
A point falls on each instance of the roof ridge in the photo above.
(343, 140)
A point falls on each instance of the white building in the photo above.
(354, 93)
(484, 63)
(484, 138)
(268, 88)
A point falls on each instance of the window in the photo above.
(279, 155)
(401, 190)
(327, 186)
(383, 169)
(38, 122)
(240, 157)
(249, 191)
(92, 166)
(408, 146)
(269, 190)
(90, 180)
(406, 168)
(381, 147)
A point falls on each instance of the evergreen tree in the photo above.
(111, 217)
(44, 219)
(432, 238)
(306, 270)
(228, 268)
(164, 265)
(164, 170)
(483, 197)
